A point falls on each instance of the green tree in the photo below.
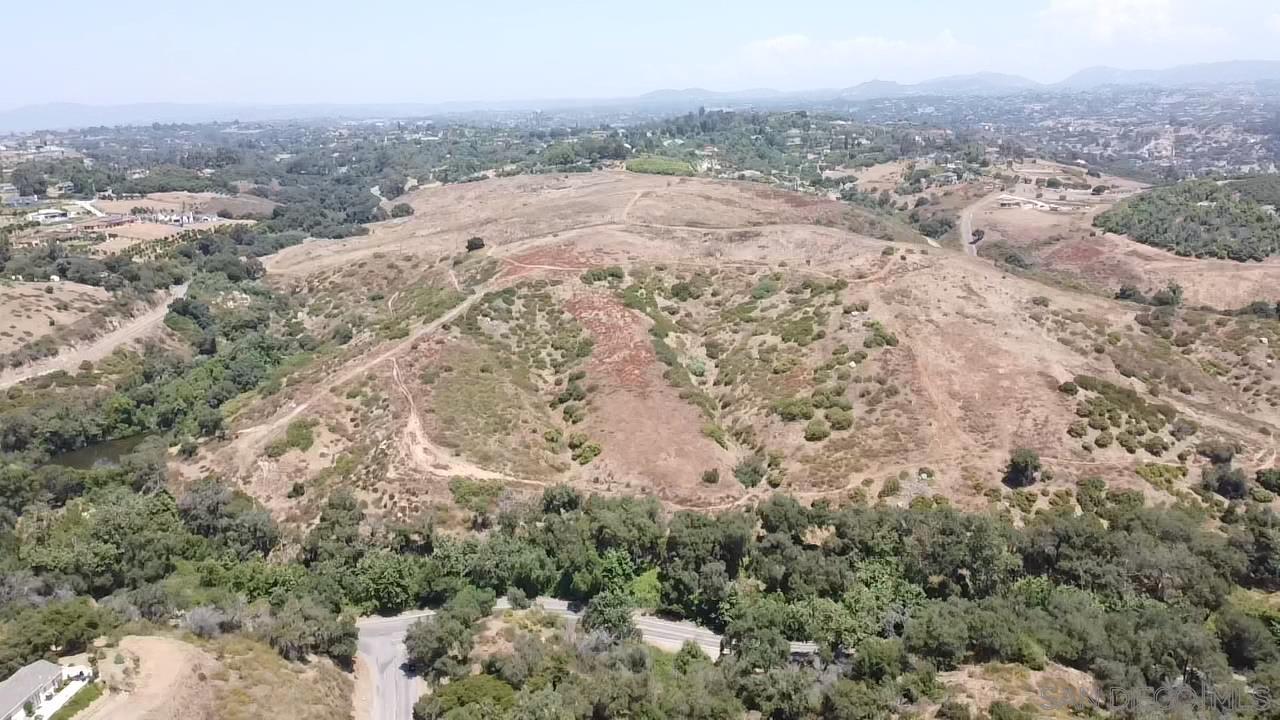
(1023, 469)
(939, 631)
(482, 692)
(610, 613)
(304, 626)
(386, 582)
(438, 646)
(848, 700)
(755, 634)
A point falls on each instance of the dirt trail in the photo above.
(626, 212)
(517, 263)
(966, 222)
(166, 670)
(264, 431)
(134, 329)
(428, 455)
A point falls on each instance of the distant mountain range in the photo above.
(54, 116)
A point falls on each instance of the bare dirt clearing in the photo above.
(153, 678)
(159, 678)
(885, 176)
(1051, 691)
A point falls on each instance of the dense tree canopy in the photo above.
(1198, 219)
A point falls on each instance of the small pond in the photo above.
(102, 454)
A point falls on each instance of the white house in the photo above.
(32, 684)
(48, 216)
(42, 685)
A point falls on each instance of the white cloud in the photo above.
(1273, 22)
(1113, 21)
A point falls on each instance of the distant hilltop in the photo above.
(59, 116)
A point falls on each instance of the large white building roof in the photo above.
(20, 686)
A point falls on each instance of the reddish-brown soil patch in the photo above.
(622, 351)
(1075, 253)
(548, 259)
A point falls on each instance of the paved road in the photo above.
(966, 222)
(88, 206)
(381, 647)
(69, 360)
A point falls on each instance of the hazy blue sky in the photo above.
(285, 51)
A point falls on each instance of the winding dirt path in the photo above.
(966, 222)
(96, 350)
(626, 211)
(263, 432)
(428, 455)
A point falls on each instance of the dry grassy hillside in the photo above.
(33, 310)
(231, 678)
(705, 342)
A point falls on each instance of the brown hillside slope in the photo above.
(744, 314)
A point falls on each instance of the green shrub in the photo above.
(879, 337)
(1001, 710)
(588, 451)
(793, 409)
(298, 436)
(1269, 479)
(595, 275)
(839, 419)
(891, 488)
(765, 288)
(816, 430)
(1155, 445)
(954, 710)
(716, 433)
(574, 413)
(750, 471)
(831, 396)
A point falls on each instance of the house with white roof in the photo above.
(28, 687)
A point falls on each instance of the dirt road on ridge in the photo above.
(134, 329)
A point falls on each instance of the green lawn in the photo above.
(659, 166)
(78, 702)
